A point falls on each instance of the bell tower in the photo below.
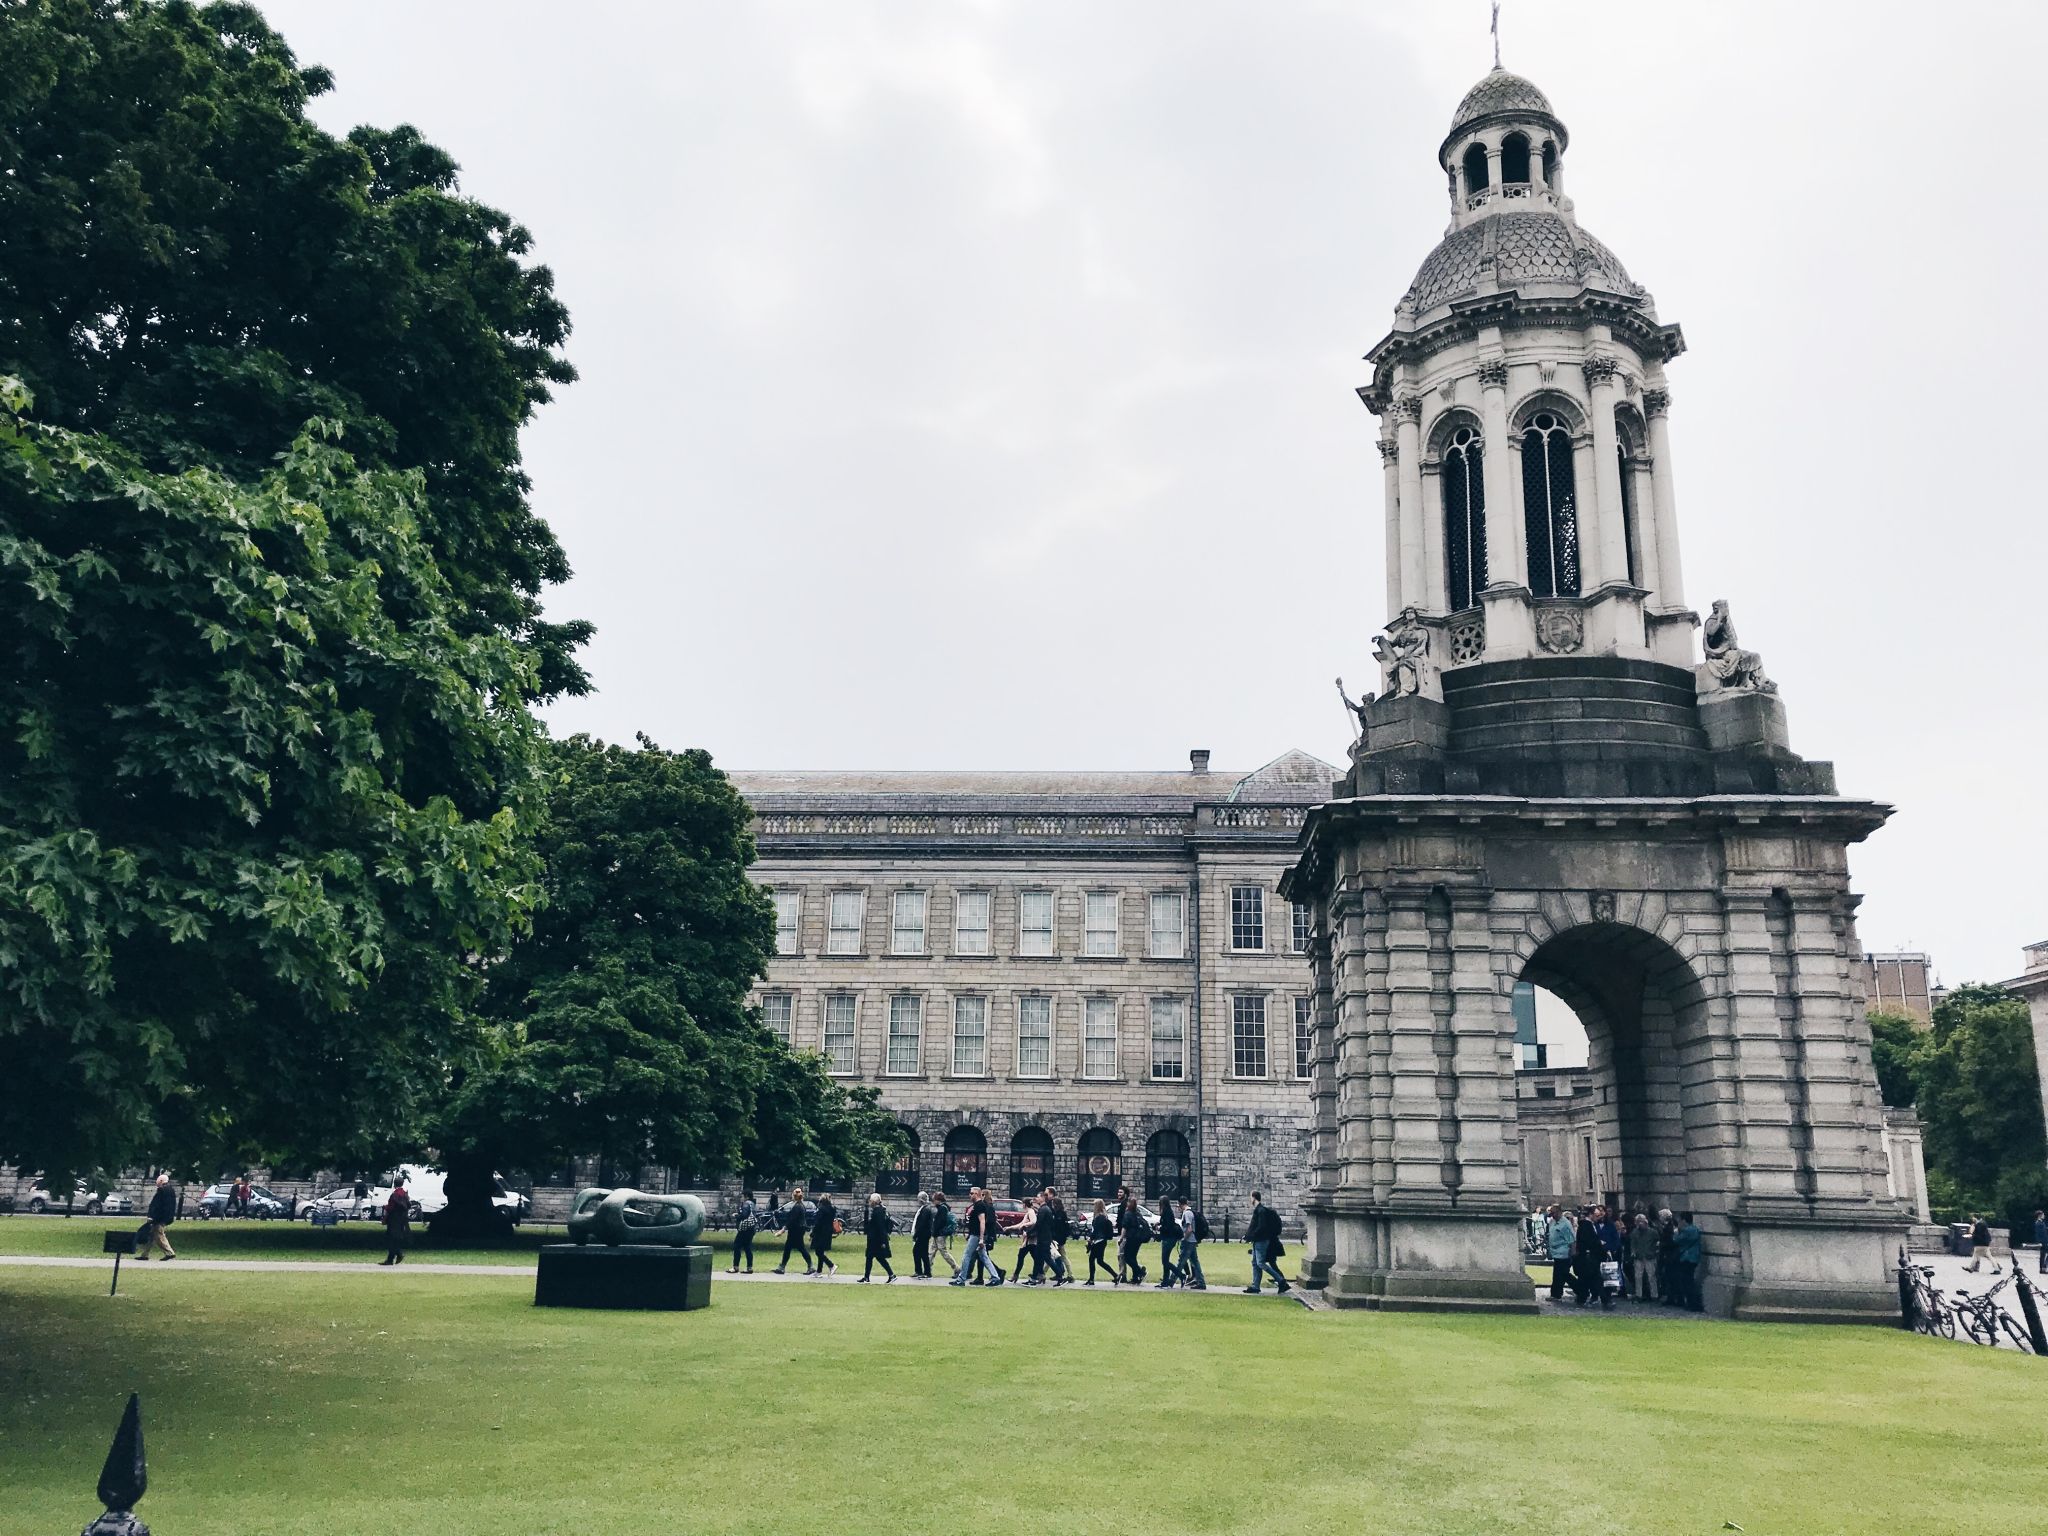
(1568, 779)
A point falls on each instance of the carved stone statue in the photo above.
(615, 1216)
(1357, 708)
(1402, 651)
(1730, 664)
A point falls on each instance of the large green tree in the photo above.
(191, 267)
(621, 1023)
(1977, 1088)
(265, 805)
(1896, 1043)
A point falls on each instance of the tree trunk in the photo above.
(469, 1216)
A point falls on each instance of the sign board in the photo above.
(118, 1242)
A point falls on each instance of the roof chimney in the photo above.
(1198, 760)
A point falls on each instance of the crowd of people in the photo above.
(1045, 1236)
(1603, 1255)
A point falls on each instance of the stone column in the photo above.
(1670, 581)
(1591, 571)
(1493, 168)
(1408, 428)
(1650, 564)
(1507, 554)
(1434, 582)
(1613, 535)
(1390, 466)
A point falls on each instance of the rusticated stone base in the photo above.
(635, 1277)
(1425, 1261)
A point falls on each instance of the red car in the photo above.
(1009, 1215)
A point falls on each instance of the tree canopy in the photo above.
(264, 804)
(192, 268)
(622, 1025)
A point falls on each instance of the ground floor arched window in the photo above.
(1169, 1172)
(1030, 1162)
(900, 1177)
(966, 1159)
(1101, 1165)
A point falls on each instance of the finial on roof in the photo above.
(1496, 34)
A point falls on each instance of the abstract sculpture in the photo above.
(626, 1216)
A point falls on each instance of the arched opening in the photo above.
(1030, 1162)
(1514, 159)
(1550, 506)
(966, 1160)
(900, 1177)
(1169, 1172)
(1623, 1130)
(1475, 169)
(1464, 487)
(1100, 1168)
(1550, 164)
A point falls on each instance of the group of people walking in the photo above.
(1043, 1236)
(1602, 1255)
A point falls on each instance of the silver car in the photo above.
(86, 1202)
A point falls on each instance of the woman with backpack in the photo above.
(1194, 1231)
(743, 1236)
(1169, 1246)
(824, 1227)
(1100, 1231)
(1132, 1230)
(878, 1225)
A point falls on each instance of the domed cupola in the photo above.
(1522, 400)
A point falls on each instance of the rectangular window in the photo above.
(970, 923)
(1034, 922)
(970, 1036)
(1248, 917)
(1169, 1037)
(1169, 925)
(839, 1058)
(1098, 1038)
(789, 909)
(1034, 1037)
(906, 923)
(1304, 927)
(906, 1034)
(777, 1009)
(849, 910)
(1100, 923)
(1304, 1034)
(1248, 1035)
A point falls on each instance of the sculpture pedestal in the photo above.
(641, 1277)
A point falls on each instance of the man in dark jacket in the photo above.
(1132, 1232)
(921, 1237)
(743, 1232)
(981, 1239)
(876, 1227)
(163, 1210)
(1169, 1246)
(1057, 1229)
(2041, 1238)
(1263, 1233)
(796, 1220)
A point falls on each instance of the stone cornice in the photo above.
(1630, 321)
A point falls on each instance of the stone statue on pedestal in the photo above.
(1359, 710)
(1402, 650)
(1731, 665)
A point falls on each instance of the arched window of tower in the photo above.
(1550, 506)
(1550, 164)
(1475, 169)
(1514, 159)
(1464, 488)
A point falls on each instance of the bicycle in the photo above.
(1932, 1313)
(1983, 1318)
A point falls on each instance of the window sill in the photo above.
(1101, 959)
(964, 1077)
(1180, 1080)
(1032, 957)
(1179, 959)
(844, 954)
(908, 954)
(904, 1077)
(970, 954)
(1263, 1077)
(1107, 1080)
(1032, 1077)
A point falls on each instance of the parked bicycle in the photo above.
(1983, 1319)
(1932, 1313)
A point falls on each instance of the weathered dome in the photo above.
(1534, 249)
(1499, 92)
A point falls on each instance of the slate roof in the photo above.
(1294, 777)
(1500, 91)
(1536, 248)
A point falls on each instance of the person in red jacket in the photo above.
(397, 1221)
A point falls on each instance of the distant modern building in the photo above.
(1901, 982)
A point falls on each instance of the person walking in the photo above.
(163, 1210)
(921, 1237)
(1132, 1231)
(743, 1235)
(1587, 1253)
(1169, 1247)
(397, 1220)
(1667, 1258)
(1980, 1245)
(877, 1226)
(1100, 1231)
(1689, 1241)
(981, 1236)
(1642, 1257)
(1057, 1230)
(824, 1227)
(2041, 1238)
(1026, 1233)
(1194, 1231)
(945, 1226)
(796, 1218)
(1558, 1243)
(1263, 1233)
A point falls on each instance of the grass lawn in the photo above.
(334, 1404)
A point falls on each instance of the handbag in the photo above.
(1610, 1275)
(838, 1226)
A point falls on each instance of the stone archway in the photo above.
(1645, 1013)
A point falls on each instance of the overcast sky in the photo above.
(970, 384)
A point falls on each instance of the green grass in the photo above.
(335, 1404)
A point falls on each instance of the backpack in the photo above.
(1202, 1233)
(948, 1225)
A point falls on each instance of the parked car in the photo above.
(342, 1202)
(88, 1202)
(263, 1205)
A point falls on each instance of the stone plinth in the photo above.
(631, 1277)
